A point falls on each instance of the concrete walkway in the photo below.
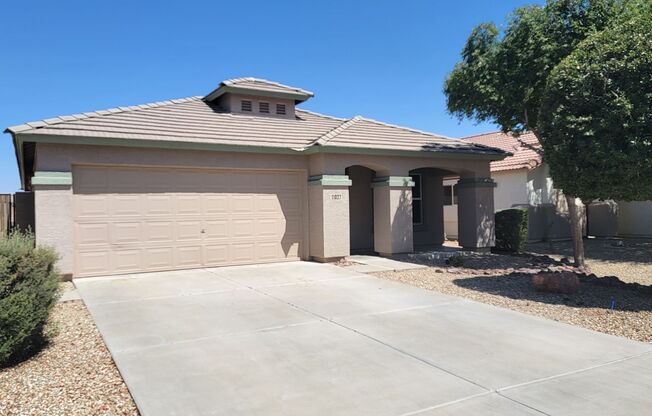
(313, 339)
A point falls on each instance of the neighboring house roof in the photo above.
(257, 86)
(526, 150)
(193, 120)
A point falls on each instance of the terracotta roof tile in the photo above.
(526, 150)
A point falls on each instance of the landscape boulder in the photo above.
(564, 282)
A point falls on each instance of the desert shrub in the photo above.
(455, 261)
(511, 230)
(29, 288)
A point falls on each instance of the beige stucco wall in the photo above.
(511, 189)
(532, 189)
(392, 220)
(329, 222)
(326, 223)
(53, 222)
(634, 218)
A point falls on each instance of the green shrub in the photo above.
(29, 288)
(455, 260)
(511, 230)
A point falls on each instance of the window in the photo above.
(245, 105)
(263, 107)
(448, 195)
(417, 203)
(280, 109)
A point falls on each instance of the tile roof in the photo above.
(264, 85)
(526, 150)
(193, 120)
(259, 86)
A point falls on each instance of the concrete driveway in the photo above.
(312, 339)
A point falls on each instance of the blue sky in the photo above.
(382, 59)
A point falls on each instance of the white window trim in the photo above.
(420, 198)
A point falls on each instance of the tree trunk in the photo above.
(576, 230)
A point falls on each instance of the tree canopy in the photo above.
(502, 76)
(596, 114)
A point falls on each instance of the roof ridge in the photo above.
(324, 138)
(235, 81)
(439, 136)
(97, 113)
(314, 113)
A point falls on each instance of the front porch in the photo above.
(365, 209)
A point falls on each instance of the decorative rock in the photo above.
(564, 282)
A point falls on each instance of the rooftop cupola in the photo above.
(257, 97)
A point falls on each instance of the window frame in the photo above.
(418, 199)
(280, 112)
(265, 105)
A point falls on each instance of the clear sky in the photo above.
(382, 59)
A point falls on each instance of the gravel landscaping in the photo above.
(616, 299)
(73, 375)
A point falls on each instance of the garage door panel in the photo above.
(139, 219)
(242, 252)
(290, 203)
(91, 206)
(91, 234)
(126, 260)
(216, 229)
(159, 258)
(188, 204)
(242, 228)
(125, 232)
(189, 256)
(268, 251)
(188, 230)
(268, 227)
(92, 262)
(216, 254)
(159, 231)
(159, 204)
(125, 205)
(215, 204)
(243, 182)
(242, 204)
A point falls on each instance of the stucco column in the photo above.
(475, 212)
(329, 217)
(393, 215)
(53, 225)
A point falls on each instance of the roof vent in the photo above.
(263, 107)
(246, 105)
(280, 109)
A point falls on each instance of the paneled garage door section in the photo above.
(146, 219)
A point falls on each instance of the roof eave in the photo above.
(223, 89)
(18, 150)
(409, 153)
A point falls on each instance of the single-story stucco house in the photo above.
(241, 176)
(522, 181)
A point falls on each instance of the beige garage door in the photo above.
(146, 219)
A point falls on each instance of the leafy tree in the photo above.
(502, 77)
(597, 109)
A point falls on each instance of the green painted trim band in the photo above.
(476, 183)
(52, 178)
(393, 181)
(329, 180)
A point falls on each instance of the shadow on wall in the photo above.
(518, 286)
(485, 229)
(402, 223)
